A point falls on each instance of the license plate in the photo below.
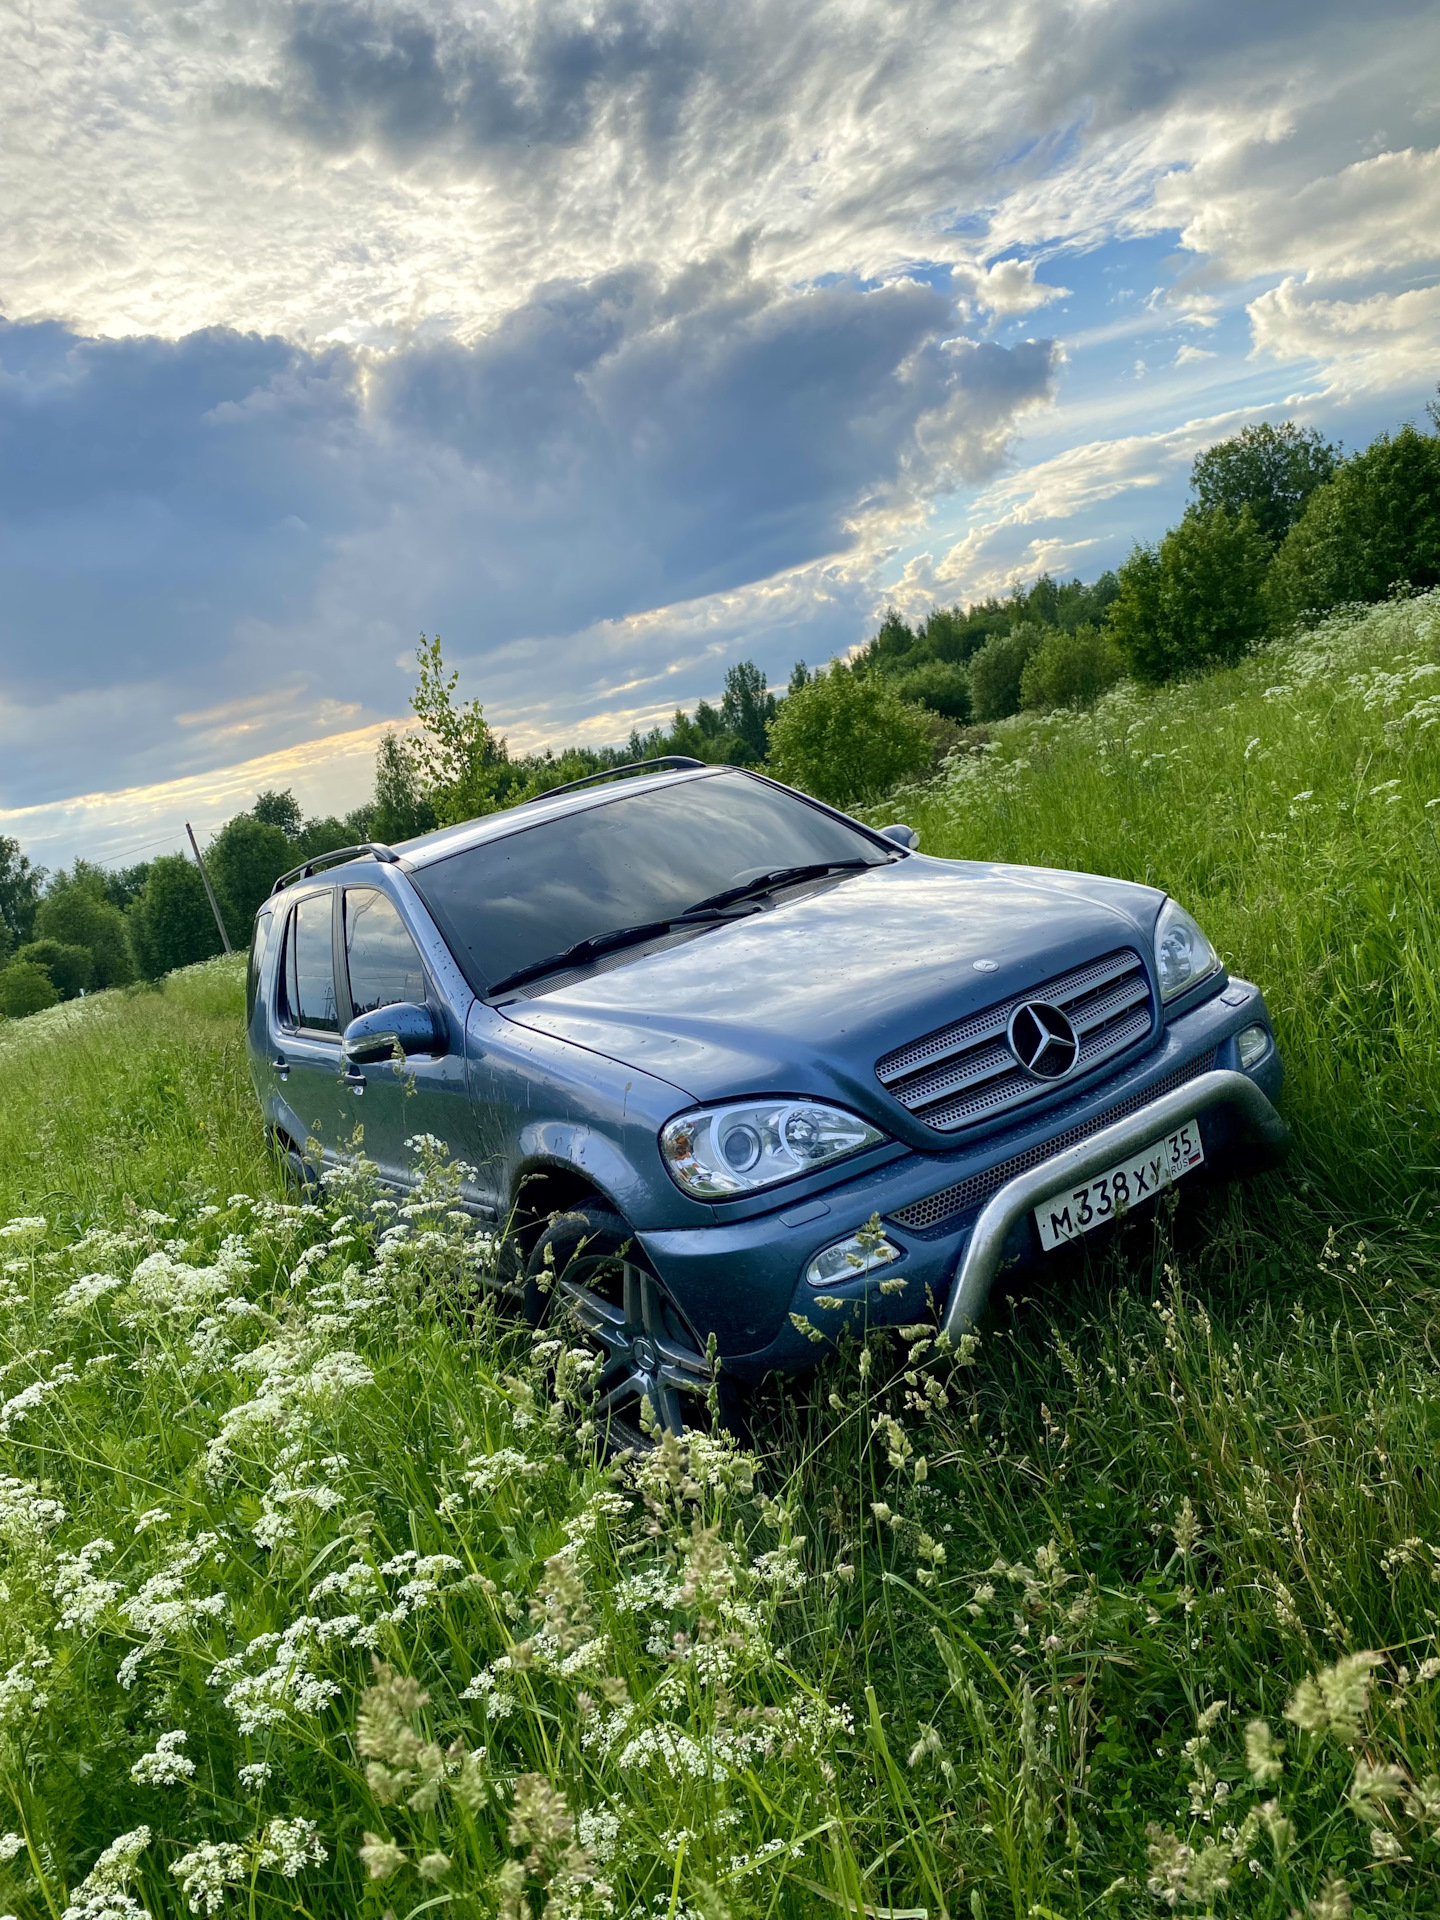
(1123, 1186)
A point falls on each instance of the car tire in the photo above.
(588, 1265)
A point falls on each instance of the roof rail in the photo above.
(387, 856)
(679, 760)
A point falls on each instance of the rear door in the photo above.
(308, 1018)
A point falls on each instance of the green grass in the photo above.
(969, 1633)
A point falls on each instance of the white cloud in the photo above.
(1010, 287)
(1384, 341)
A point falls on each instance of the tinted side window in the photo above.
(310, 966)
(385, 967)
(259, 940)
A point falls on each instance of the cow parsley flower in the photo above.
(206, 1872)
(289, 1845)
(166, 1766)
(101, 1894)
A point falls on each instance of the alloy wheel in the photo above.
(646, 1349)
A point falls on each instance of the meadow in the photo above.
(319, 1597)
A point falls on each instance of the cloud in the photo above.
(1385, 340)
(1188, 355)
(407, 80)
(231, 537)
(1083, 509)
(1010, 287)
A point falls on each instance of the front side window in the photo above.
(385, 966)
(642, 857)
(310, 966)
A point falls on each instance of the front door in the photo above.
(425, 1094)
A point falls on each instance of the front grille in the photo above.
(965, 1072)
(938, 1210)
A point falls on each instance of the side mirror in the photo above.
(905, 837)
(375, 1036)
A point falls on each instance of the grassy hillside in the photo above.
(318, 1601)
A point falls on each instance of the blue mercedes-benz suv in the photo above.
(719, 1054)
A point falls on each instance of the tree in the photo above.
(245, 859)
(171, 924)
(1194, 601)
(996, 669)
(941, 685)
(280, 810)
(847, 737)
(1070, 669)
(1375, 526)
(20, 885)
(76, 912)
(71, 969)
(399, 810)
(894, 641)
(460, 766)
(123, 884)
(1273, 470)
(7, 943)
(747, 709)
(25, 988)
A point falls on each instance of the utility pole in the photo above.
(209, 890)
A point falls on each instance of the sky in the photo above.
(620, 340)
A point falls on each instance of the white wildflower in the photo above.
(35, 1395)
(81, 1597)
(101, 1894)
(166, 1766)
(253, 1777)
(24, 1513)
(289, 1845)
(598, 1830)
(206, 1872)
(83, 1293)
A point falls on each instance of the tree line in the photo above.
(1282, 527)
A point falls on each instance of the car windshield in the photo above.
(630, 861)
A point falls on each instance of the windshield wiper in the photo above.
(596, 944)
(779, 877)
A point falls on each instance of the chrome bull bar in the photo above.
(1075, 1165)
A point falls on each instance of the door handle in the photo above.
(353, 1079)
(281, 1066)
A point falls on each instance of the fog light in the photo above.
(1252, 1045)
(851, 1259)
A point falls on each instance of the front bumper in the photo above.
(965, 1211)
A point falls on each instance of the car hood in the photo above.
(804, 997)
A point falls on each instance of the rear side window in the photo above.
(259, 940)
(385, 966)
(310, 966)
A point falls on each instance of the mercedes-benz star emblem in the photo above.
(1043, 1040)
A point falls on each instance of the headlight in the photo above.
(719, 1151)
(1182, 953)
